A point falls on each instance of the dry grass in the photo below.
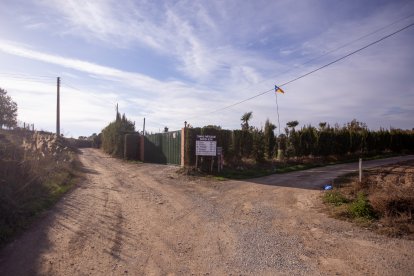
(384, 200)
(29, 182)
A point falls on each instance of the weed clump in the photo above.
(361, 208)
(335, 198)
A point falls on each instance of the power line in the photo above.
(71, 86)
(329, 51)
(313, 71)
(350, 54)
(341, 47)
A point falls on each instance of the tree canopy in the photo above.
(8, 110)
(245, 120)
(113, 135)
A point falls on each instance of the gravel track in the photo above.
(145, 219)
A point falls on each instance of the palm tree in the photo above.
(292, 124)
(245, 120)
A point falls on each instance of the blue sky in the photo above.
(176, 61)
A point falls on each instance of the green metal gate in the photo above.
(163, 148)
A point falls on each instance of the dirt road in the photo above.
(143, 219)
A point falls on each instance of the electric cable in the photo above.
(312, 71)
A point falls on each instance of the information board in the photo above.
(206, 145)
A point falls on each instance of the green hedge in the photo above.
(351, 139)
(113, 136)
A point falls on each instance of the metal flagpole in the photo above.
(277, 108)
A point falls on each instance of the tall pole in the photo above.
(143, 128)
(58, 108)
(277, 109)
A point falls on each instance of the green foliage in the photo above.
(307, 141)
(113, 135)
(335, 198)
(354, 138)
(96, 140)
(361, 208)
(8, 110)
(282, 142)
(322, 125)
(269, 139)
(245, 120)
(246, 143)
(292, 124)
(213, 126)
(347, 142)
(258, 149)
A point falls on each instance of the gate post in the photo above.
(142, 148)
(183, 132)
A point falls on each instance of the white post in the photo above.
(360, 170)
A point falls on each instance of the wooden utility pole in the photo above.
(58, 108)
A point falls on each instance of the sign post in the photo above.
(206, 145)
(219, 158)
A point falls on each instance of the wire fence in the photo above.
(25, 126)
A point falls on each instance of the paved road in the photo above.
(143, 219)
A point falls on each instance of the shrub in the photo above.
(361, 208)
(335, 198)
(113, 136)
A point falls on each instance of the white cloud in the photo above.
(186, 31)
(221, 52)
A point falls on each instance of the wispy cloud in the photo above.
(151, 96)
(186, 31)
(220, 52)
(139, 80)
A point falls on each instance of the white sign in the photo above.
(206, 145)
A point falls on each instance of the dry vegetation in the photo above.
(384, 201)
(31, 178)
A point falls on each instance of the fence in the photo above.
(163, 148)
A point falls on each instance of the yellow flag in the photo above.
(278, 89)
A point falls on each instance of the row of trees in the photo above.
(354, 138)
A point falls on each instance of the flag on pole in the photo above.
(278, 89)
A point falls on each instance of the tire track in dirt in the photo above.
(144, 219)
